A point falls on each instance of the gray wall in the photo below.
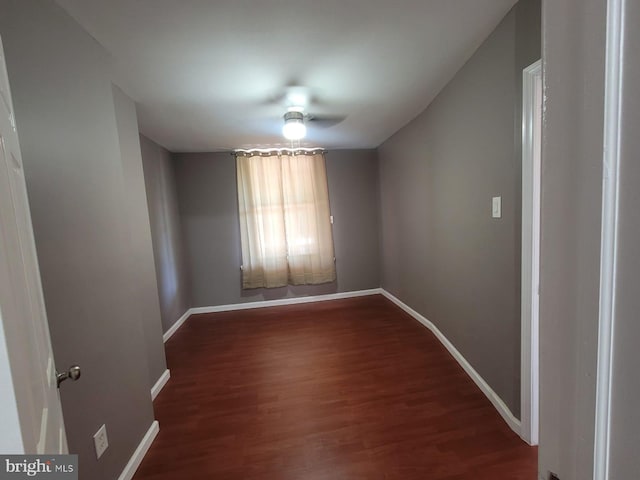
(442, 253)
(208, 210)
(144, 290)
(570, 223)
(571, 215)
(625, 421)
(171, 269)
(355, 204)
(79, 200)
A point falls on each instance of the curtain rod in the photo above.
(278, 151)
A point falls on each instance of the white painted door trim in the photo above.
(609, 237)
(531, 173)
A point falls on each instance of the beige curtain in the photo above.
(285, 227)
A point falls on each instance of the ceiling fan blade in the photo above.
(325, 121)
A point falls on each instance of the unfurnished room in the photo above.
(335, 240)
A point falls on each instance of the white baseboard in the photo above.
(266, 303)
(493, 397)
(136, 459)
(174, 328)
(162, 381)
(285, 301)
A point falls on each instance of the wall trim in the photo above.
(613, 98)
(493, 397)
(530, 274)
(266, 303)
(174, 328)
(159, 385)
(285, 301)
(142, 449)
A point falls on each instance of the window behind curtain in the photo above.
(285, 226)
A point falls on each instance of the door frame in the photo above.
(530, 280)
(613, 99)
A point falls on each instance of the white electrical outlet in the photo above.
(101, 441)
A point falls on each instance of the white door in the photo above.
(31, 419)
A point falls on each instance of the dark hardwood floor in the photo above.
(347, 389)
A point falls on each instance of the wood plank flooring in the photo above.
(347, 389)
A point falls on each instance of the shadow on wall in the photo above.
(166, 251)
(162, 200)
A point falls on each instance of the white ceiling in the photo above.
(202, 71)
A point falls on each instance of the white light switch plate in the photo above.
(101, 441)
(496, 207)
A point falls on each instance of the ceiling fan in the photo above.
(296, 100)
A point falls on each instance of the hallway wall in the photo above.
(574, 41)
(93, 259)
(162, 199)
(144, 291)
(442, 253)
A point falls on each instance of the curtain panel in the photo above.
(285, 226)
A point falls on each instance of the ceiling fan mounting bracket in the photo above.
(293, 115)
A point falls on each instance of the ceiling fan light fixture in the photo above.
(294, 127)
